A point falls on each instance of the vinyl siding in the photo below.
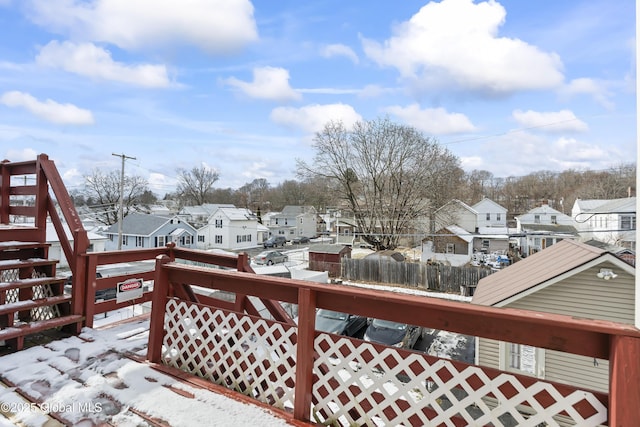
(489, 353)
(580, 371)
(585, 296)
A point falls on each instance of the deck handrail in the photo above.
(619, 343)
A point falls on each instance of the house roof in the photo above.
(550, 228)
(623, 205)
(141, 224)
(327, 249)
(237, 214)
(460, 232)
(614, 249)
(459, 203)
(537, 269)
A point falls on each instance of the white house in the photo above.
(199, 215)
(294, 221)
(542, 227)
(610, 221)
(230, 228)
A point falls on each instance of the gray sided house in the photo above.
(569, 278)
(151, 231)
(294, 221)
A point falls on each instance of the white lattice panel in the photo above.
(250, 355)
(362, 384)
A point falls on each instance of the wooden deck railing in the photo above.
(188, 345)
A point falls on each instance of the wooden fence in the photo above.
(433, 277)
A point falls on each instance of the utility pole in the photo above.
(121, 209)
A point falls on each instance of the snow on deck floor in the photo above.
(88, 380)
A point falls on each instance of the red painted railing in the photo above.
(599, 339)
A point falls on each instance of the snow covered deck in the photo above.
(100, 378)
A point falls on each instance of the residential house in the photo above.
(198, 216)
(230, 228)
(542, 227)
(462, 230)
(151, 231)
(610, 221)
(569, 278)
(293, 221)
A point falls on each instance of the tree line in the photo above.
(388, 176)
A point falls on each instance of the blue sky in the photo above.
(508, 86)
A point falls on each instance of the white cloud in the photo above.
(334, 50)
(48, 110)
(89, 60)
(552, 121)
(313, 118)
(455, 43)
(268, 83)
(586, 86)
(21, 154)
(217, 26)
(435, 121)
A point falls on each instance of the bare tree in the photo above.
(388, 174)
(103, 189)
(195, 187)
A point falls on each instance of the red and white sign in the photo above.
(129, 289)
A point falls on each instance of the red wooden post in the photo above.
(79, 271)
(88, 281)
(5, 184)
(158, 303)
(304, 353)
(42, 196)
(624, 381)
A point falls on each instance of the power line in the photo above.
(121, 209)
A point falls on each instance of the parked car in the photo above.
(274, 242)
(335, 322)
(102, 294)
(300, 239)
(392, 333)
(270, 257)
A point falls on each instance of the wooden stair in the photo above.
(32, 298)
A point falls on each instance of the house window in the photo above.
(498, 217)
(301, 221)
(536, 219)
(554, 219)
(161, 241)
(627, 222)
(140, 241)
(218, 239)
(201, 239)
(187, 240)
(485, 244)
(125, 240)
(451, 248)
(521, 358)
(488, 216)
(218, 223)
